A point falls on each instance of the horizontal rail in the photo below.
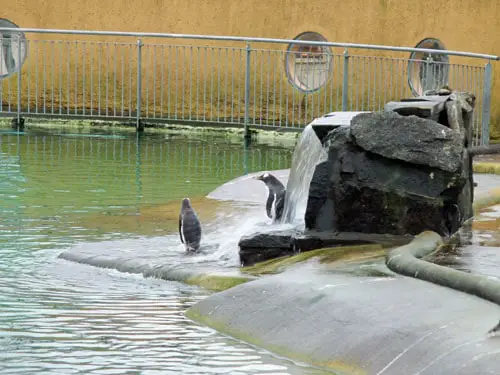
(251, 40)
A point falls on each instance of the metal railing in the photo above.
(254, 82)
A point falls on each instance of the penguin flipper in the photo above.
(180, 228)
(269, 205)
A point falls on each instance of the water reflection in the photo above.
(60, 317)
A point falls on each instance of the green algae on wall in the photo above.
(326, 255)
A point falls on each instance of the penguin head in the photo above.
(186, 204)
(271, 181)
(265, 177)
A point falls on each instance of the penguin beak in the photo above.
(258, 178)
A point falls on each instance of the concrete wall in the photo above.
(462, 25)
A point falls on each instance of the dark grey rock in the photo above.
(408, 138)
(318, 239)
(259, 247)
(391, 174)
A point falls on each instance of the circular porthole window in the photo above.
(308, 66)
(427, 71)
(11, 59)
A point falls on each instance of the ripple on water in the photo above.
(60, 317)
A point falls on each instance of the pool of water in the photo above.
(59, 190)
(476, 247)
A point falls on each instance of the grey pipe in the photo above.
(406, 260)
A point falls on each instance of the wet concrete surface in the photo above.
(246, 188)
(360, 324)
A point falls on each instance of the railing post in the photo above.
(19, 65)
(247, 87)
(139, 126)
(247, 135)
(485, 118)
(345, 81)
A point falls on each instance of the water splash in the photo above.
(308, 153)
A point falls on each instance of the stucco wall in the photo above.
(462, 25)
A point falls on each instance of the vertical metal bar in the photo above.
(247, 97)
(154, 80)
(91, 87)
(99, 80)
(84, 71)
(485, 124)
(19, 66)
(162, 62)
(176, 49)
(183, 83)
(139, 82)
(345, 81)
(217, 108)
(52, 50)
(28, 73)
(191, 82)
(76, 79)
(107, 78)
(114, 79)
(122, 82)
(36, 79)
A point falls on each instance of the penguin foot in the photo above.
(495, 329)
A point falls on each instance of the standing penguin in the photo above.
(276, 195)
(189, 226)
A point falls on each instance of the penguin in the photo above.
(189, 227)
(276, 195)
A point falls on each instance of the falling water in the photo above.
(307, 154)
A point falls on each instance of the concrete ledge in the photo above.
(208, 280)
(384, 325)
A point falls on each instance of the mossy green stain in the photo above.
(326, 255)
(338, 367)
(216, 283)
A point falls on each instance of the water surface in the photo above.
(60, 190)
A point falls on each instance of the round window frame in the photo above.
(413, 69)
(294, 80)
(9, 24)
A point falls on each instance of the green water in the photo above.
(58, 191)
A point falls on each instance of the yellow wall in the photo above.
(467, 25)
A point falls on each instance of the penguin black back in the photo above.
(276, 195)
(189, 226)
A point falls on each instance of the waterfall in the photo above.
(307, 154)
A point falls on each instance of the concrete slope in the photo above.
(360, 325)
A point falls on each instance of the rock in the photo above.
(259, 247)
(376, 182)
(317, 239)
(416, 107)
(408, 138)
(459, 112)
